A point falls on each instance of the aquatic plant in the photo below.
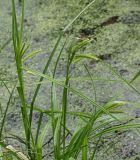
(82, 141)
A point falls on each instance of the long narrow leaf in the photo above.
(5, 112)
(5, 44)
(41, 140)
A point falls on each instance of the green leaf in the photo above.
(31, 55)
(75, 48)
(71, 22)
(38, 128)
(80, 94)
(135, 77)
(16, 153)
(85, 149)
(80, 57)
(41, 140)
(24, 48)
(57, 136)
(114, 104)
(5, 112)
(112, 129)
(5, 44)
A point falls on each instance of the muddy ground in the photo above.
(115, 27)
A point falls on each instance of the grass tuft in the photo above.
(68, 143)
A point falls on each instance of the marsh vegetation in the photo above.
(69, 80)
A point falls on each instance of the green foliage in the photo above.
(103, 120)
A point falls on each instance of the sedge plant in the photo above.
(103, 121)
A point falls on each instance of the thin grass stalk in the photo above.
(72, 113)
(1, 110)
(38, 128)
(52, 88)
(112, 129)
(85, 149)
(64, 110)
(5, 85)
(93, 85)
(66, 28)
(5, 44)
(50, 59)
(95, 149)
(57, 139)
(75, 91)
(22, 24)
(41, 79)
(56, 125)
(18, 57)
(71, 55)
(85, 78)
(123, 79)
(5, 112)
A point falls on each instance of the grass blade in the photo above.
(41, 79)
(5, 112)
(41, 139)
(57, 137)
(112, 129)
(66, 28)
(31, 55)
(95, 149)
(70, 89)
(85, 149)
(135, 77)
(93, 85)
(5, 44)
(38, 128)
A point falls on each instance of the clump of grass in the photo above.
(94, 125)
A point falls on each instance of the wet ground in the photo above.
(115, 27)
